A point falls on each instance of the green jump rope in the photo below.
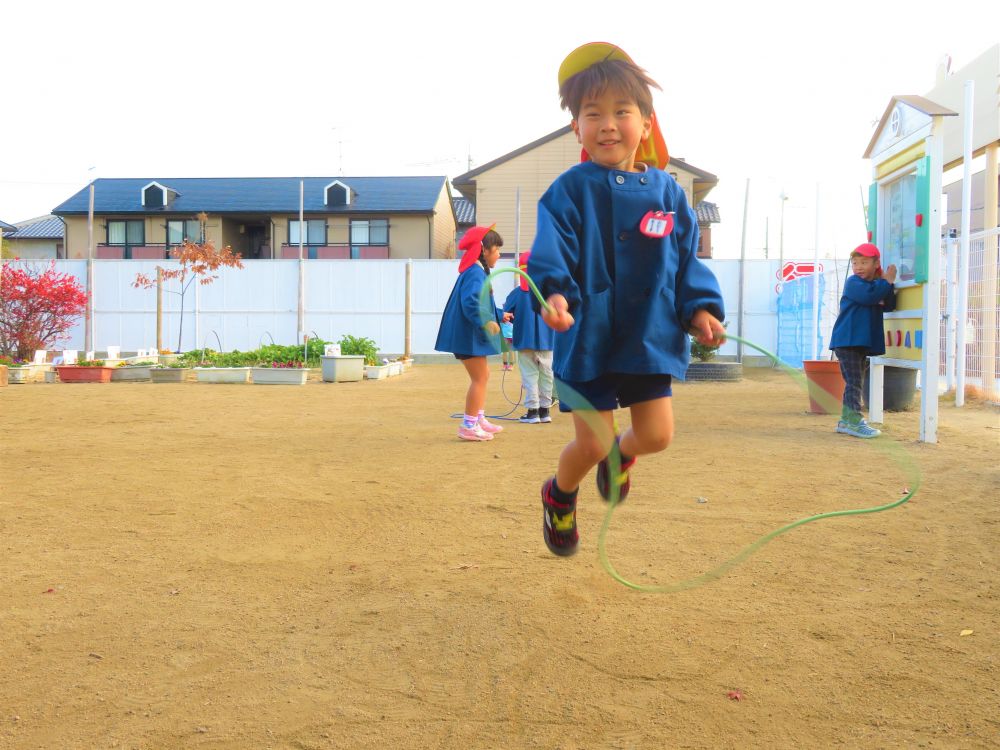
(583, 409)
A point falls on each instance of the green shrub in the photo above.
(359, 345)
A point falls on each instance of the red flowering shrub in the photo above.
(37, 307)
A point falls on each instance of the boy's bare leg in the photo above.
(583, 452)
(652, 428)
(479, 375)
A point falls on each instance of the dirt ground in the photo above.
(328, 566)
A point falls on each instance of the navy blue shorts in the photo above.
(612, 390)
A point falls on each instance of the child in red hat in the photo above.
(469, 330)
(857, 334)
(615, 258)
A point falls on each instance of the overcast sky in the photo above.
(784, 94)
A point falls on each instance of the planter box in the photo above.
(77, 374)
(17, 375)
(222, 374)
(395, 368)
(169, 374)
(376, 372)
(725, 371)
(51, 376)
(130, 373)
(280, 375)
(343, 368)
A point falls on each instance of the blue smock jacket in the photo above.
(632, 296)
(529, 330)
(461, 330)
(859, 322)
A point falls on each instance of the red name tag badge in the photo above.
(657, 224)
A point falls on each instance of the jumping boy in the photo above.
(858, 334)
(614, 256)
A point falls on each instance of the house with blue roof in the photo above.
(259, 217)
(36, 239)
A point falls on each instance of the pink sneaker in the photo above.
(489, 427)
(474, 433)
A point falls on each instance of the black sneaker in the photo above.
(558, 523)
(543, 414)
(623, 479)
(530, 418)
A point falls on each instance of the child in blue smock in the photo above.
(615, 258)
(470, 330)
(858, 333)
(533, 344)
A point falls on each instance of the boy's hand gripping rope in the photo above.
(584, 410)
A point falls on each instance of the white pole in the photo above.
(302, 268)
(963, 264)
(88, 333)
(517, 225)
(815, 325)
(949, 329)
(741, 317)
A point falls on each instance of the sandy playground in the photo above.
(327, 566)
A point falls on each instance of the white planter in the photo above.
(222, 374)
(168, 374)
(376, 372)
(19, 375)
(280, 375)
(343, 368)
(395, 368)
(130, 373)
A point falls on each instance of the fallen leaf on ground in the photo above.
(967, 632)
(735, 695)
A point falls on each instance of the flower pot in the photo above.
(726, 371)
(280, 375)
(168, 374)
(78, 374)
(17, 375)
(376, 372)
(130, 373)
(825, 384)
(167, 359)
(222, 374)
(899, 387)
(342, 368)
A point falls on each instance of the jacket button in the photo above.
(623, 236)
(620, 179)
(643, 180)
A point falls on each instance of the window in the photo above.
(183, 229)
(315, 232)
(128, 233)
(899, 244)
(368, 232)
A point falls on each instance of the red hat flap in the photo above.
(472, 244)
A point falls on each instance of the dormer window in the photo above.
(155, 195)
(337, 194)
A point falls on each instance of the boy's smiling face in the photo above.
(610, 127)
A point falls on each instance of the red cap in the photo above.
(653, 150)
(523, 265)
(472, 244)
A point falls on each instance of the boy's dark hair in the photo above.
(619, 75)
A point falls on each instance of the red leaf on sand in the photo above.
(735, 695)
(49, 591)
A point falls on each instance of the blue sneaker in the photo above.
(857, 429)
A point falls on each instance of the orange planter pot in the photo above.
(77, 374)
(826, 385)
